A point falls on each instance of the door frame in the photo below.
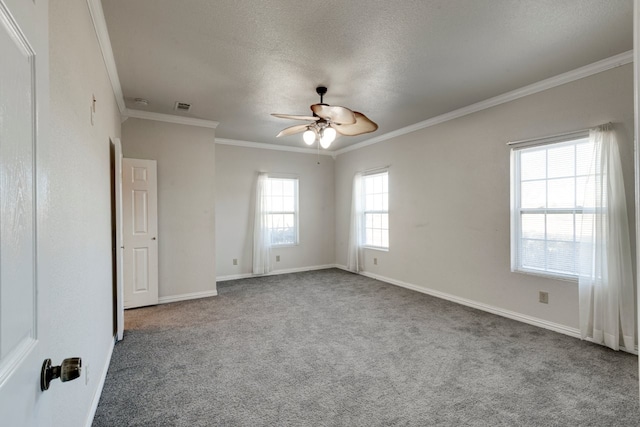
(636, 134)
(119, 252)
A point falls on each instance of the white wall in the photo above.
(186, 201)
(449, 195)
(236, 174)
(74, 243)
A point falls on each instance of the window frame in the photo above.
(365, 212)
(295, 212)
(517, 211)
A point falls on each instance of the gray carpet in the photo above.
(330, 348)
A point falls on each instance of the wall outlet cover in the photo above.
(544, 297)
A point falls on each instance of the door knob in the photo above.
(70, 369)
(153, 238)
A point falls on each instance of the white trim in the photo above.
(102, 33)
(548, 140)
(170, 118)
(98, 392)
(568, 77)
(534, 321)
(119, 257)
(264, 146)
(636, 142)
(275, 272)
(556, 327)
(185, 297)
(100, 26)
(240, 276)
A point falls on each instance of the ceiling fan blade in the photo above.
(295, 117)
(362, 125)
(334, 114)
(293, 129)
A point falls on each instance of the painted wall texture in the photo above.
(236, 174)
(449, 200)
(186, 201)
(74, 242)
(450, 195)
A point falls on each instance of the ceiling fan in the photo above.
(327, 121)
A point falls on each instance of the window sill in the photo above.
(376, 248)
(545, 275)
(285, 245)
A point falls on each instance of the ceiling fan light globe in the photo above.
(328, 136)
(309, 137)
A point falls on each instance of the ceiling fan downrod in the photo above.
(321, 90)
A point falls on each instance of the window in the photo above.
(548, 187)
(282, 210)
(376, 210)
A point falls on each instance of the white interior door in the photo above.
(23, 128)
(140, 227)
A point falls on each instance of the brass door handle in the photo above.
(69, 370)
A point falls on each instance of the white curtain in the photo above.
(261, 232)
(605, 275)
(354, 254)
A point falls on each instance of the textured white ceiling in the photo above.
(397, 61)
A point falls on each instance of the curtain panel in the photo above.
(261, 234)
(354, 250)
(605, 271)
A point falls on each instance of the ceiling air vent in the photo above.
(182, 106)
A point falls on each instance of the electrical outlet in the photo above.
(235, 261)
(544, 297)
(85, 368)
(277, 258)
(375, 261)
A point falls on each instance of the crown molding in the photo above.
(264, 146)
(170, 118)
(102, 33)
(100, 27)
(570, 76)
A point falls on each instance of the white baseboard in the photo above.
(556, 327)
(98, 392)
(274, 272)
(530, 320)
(184, 297)
(573, 332)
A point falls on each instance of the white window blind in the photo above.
(282, 210)
(549, 180)
(376, 210)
